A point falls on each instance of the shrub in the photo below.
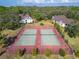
(72, 30)
(2, 40)
(59, 29)
(35, 51)
(77, 53)
(48, 52)
(66, 41)
(62, 52)
(41, 24)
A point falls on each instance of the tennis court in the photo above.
(48, 37)
(28, 38)
(40, 38)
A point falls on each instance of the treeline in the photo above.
(10, 15)
(9, 18)
(42, 12)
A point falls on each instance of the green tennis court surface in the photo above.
(46, 31)
(28, 38)
(48, 37)
(30, 31)
(49, 40)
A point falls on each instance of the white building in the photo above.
(26, 19)
(61, 20)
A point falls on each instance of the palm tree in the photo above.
(72, 30)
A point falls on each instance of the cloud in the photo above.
(39, 1)
(35, 2)
(27, 1)
(69, 1)
(65, 1)
(47, 1)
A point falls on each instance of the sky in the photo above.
(39, 2)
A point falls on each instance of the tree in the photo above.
(48, 52)
(41, 24)
(77, 53)
(2, 40)
(72, 30)
(20, 12)
(38, 16)
(62, 52)
(59, 29)
(35, 51)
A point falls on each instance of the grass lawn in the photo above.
(28, 56)
(46, 22)
(9, 33)
(74, 42)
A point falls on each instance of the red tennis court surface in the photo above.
(41, 38)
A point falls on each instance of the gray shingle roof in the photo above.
(62, 18)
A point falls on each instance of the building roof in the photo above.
(62, 18)
(26, 16)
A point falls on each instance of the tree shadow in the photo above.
(9, 41)
(22, 52)
(1, 53)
